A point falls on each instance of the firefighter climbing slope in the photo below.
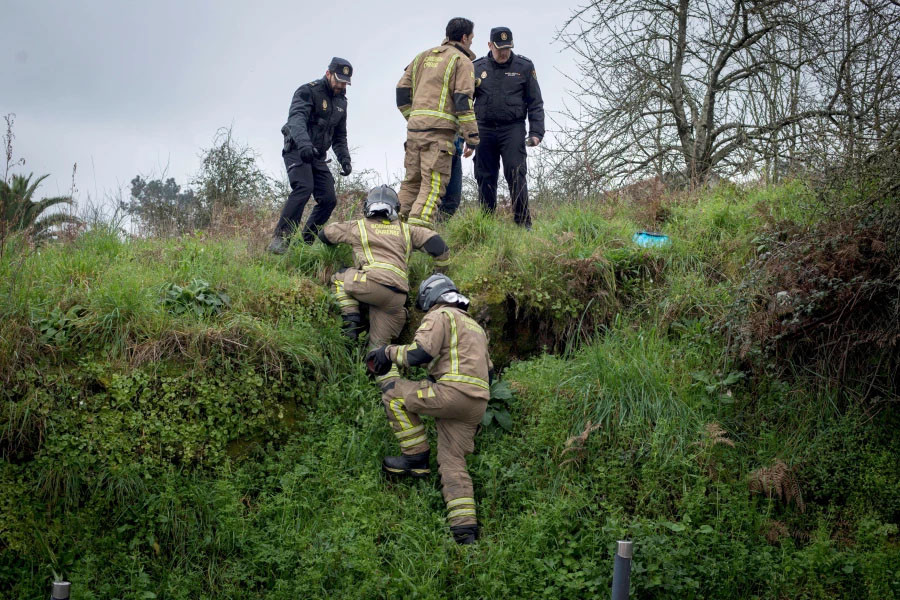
(381, 245)
(455, 349)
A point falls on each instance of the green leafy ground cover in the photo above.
(181, 419)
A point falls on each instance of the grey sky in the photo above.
(123, 87)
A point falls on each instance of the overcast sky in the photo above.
(122, 87)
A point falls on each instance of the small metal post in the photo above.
(622, 571)
(60, 590)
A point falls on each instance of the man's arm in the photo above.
(463, 105)
(339, 141)
(338, 233)
(298, 117)
(427, 240)
(406, 88)
(535, 104)
(425, 346)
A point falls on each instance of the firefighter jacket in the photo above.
(436, 91)
(317, 118)
(454, 347)
(507, 92)
(382, 247)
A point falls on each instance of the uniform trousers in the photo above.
(387, 311)
(429, 155)
(457, 416)
(506, 142)
(306, 179)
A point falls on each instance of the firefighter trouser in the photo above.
(457, 416)
(306, 179)
(387, 313)
(428, 159)
(506, 142)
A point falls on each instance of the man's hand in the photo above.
(308, 154)
(532, 141)
(346, 168)
(468, 152)
(377, 361)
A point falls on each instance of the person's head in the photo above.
(440, 289)
(338, 74)
(382, 201)
(461, 30)
(501, 44)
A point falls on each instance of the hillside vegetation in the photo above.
(182, 419)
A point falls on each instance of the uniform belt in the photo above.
(497, 124)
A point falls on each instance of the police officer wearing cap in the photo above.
(506, 93)
(316, 122)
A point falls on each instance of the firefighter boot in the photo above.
(407, 465)
(464, 534)
(352, 326)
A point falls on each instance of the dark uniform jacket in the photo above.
(317, 118)
(507, 93)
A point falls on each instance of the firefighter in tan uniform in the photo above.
(381, 247)
(435, 96)
(455, 348)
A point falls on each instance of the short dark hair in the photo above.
(458, 27)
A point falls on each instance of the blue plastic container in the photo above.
(647, 239)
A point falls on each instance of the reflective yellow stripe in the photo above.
(458, 501)
(414, 441)
(466, 118)
(465, 379)
(463, 512)
(442, 263)
(428, 393)
(433, 113)
(415, 64)
(401, 355)
(452, 62)
(454, 344)
(367, 250)
(400, 413)
(432, 198)
(406, 235)
(389, 375)
(407, 433)
(419, 222)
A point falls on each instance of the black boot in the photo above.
(352, 326)
(464, 534)
(407, 465)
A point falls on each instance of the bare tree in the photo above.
(701, 86)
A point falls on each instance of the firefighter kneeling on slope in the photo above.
(381, 247)
(456, 393)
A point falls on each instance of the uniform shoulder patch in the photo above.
(426, 325)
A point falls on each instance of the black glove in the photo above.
(308, 154)
(346, 169)
(377, 361)
(321, 154)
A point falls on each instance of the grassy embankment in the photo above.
(158, 446)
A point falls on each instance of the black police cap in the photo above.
(502, 37)
(341, 68)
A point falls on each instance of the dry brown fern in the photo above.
(575, 444)
(714, 434)
(778, 480)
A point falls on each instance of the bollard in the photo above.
(622, 571)
(60, 590)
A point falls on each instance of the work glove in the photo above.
(346, 169)
(377, 361)
(308, 154)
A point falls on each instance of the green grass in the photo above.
(149, 454)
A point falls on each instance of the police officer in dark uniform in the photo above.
(507, 92)
(316, 122)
